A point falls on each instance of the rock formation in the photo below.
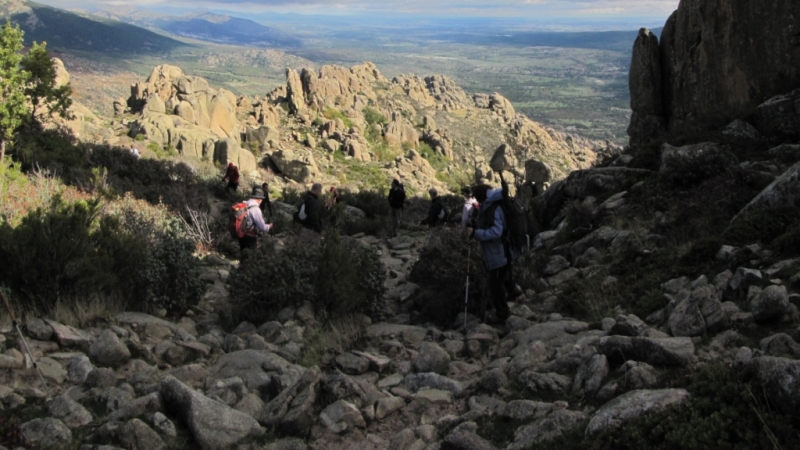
(717, 61)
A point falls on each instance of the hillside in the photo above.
(322, 125)
(66, 31)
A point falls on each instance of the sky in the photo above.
(535, 10)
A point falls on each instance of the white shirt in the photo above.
(465, 212)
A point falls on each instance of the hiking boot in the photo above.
(494, 319)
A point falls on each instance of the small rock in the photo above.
(46, 434)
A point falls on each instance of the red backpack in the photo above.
(236, 222)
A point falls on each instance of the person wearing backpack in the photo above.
(491, 231)
(308, 213)
(247, 222)
(397, 199)
(232, 175)
(437, 213)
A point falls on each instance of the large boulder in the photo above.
(780, 378)
(678, 351)
(721, 59)
(293, 409)
(297, 164)
(631, 405)
(255, 367)
(779, 116)
(108, 350)
(783, 193)
(214, 425)
(229, 150)
(771, 303)
(46, 434)
(645, 83)
(432, 358)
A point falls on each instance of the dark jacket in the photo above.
(436, 208)
(265, 204)
(313, 217)
(397, 197)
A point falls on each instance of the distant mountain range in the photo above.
(64, 30)
(208, 27)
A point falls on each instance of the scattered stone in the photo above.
(108, 350)
(432, 358)
(46, 434)
(71, 413)
(137, 435)
(770, 304)
(341, 415)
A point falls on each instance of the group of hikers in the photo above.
(483, 218)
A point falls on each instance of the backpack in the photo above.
(444, 214)
(518, 230)
(300, 215)
(237, 221)
(398, 197)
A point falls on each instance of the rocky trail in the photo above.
(143, 382)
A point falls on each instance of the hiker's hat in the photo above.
(258, 193)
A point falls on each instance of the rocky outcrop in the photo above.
(717, 61)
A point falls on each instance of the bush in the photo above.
(68, 252)
(373, 116)
(436, 160)
(441, 273)
(333, 114)
(336, 274)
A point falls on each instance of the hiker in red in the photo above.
(232, 175)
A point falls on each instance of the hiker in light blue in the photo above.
(491, 231)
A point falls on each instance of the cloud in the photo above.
(535, 9)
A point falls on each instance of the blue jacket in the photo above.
(491, 235)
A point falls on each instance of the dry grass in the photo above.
(323, 343)
(78, 314)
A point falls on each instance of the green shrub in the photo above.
(373, 116)
(441, 273)
(333, 114)
(68, 252)
(436, 160)
(337, 274)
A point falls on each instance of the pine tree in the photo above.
(42, 90)
(13, 82)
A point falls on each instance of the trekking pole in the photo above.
(24, 342)
(466, 295)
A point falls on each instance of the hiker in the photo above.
(232, 175)
(135, 151)
(309, 214)
(265, 204)
(332, 198)
(255, 220)
(397, 199)
(490, 231)
(469, 211)
(437, 214)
